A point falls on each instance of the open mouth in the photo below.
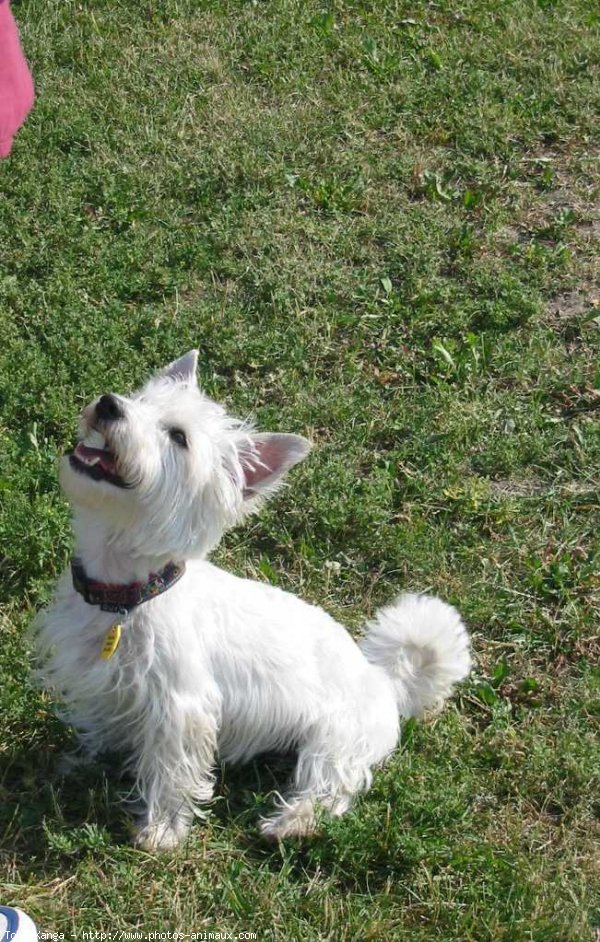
(97, 463)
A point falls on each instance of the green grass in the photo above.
(380, 223)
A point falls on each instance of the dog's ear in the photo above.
(182, 370)
(270, 455)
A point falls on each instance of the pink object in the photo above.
(16, 84)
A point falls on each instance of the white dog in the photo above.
(158, 654)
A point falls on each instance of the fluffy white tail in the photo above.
(423, 645)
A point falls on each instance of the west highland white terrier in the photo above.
(159, 655)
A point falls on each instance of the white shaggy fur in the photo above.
(219, 666)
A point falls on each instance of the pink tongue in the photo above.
(107, 462)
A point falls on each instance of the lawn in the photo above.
(380, 223)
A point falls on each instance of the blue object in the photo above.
(12, 923)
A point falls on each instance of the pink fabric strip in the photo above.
(16, 84)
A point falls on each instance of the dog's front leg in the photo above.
(174, 776)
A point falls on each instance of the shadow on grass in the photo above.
(46, 816)
(46, 813)
(355, 850)
(50, 821)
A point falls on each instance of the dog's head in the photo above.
(167, 469)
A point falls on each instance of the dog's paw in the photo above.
(160, 836)
(296, 820)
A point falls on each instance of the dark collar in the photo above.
(123, 597)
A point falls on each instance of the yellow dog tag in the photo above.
(111, 641)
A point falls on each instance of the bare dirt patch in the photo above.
(571, 305)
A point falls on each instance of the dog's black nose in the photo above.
(108, 408)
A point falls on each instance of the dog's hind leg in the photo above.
(298, 814)
(320, 783)
(333, 766)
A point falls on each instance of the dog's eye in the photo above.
(176, 435)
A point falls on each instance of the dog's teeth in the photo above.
(87, 459)
(95, 439)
